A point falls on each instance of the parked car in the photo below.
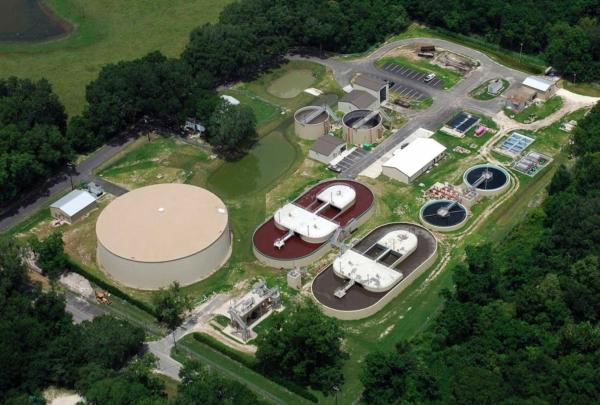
(429, 77)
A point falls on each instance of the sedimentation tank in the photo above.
(311, 122)
(362, 126)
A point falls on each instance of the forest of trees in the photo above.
(33, 141)
(523, 324)
(566, 33)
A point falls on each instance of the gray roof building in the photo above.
(360, 99)
(369, 82)
(326, 144)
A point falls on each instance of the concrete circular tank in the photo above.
(311, 122)
(152, 236)
(443, 215)
(362, 126)
(487, 179)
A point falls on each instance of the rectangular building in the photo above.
(358, 100)
(543, 87)
(408, 163)
(73, 206)
(327, 148)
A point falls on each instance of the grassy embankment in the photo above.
(586, 89)
(536, 111)
(481, 93)
(106, 31)
(447, 76)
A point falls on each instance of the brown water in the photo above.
(28, 20)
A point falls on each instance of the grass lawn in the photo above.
(263, 110)
(107, 31)
(537, 111)
(481, 93)
(448, 77)
(586, 89)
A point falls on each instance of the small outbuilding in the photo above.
(543, 87)
(358, 100)
(73, 206)
(520, 99)
(408, 163)
(193, 125)
(494, 87)
(327, 148)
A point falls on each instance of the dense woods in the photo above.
(33, 141)
(566, 33)
(523, 324)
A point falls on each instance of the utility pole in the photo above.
(336, 389)
(574, 78)
(70, 167)
(521, 51)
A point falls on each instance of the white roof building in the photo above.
(371, 273)
(311, 226)
(416, 158)
(72, 205)
(538, 83)
(230, 99)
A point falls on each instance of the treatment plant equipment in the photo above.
(154, 235)
(362, 126)
(312, 122)
(487, 179)
(443, 215)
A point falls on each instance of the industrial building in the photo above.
(362, 126)
(419, 156)
(543, 87)
(368, 93)
(358, 100)
(327, 148)
(376, 87)
(520, 99)
(154, 235)
(312, 122)
(73, 206)
(304, 230)
(253, 307)
(368, 275)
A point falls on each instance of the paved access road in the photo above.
(19, 210)
(445, 102)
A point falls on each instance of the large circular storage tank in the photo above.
(487, 179)
(443, 215)
(362, 126)
(311, 122)
(152, 236)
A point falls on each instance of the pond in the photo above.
(263, 165)
(29, 20)
(291, 83)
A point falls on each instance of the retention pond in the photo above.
(29, 20)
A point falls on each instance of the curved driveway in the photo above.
(445, 102)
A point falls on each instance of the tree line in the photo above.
(523, 323)
(102, 359)
(565, 33)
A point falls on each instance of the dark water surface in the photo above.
(28, 20)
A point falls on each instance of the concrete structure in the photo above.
(362, 126)
(543, 87)
(369, 275)
(358, 100)
(487, 179)
(73, 206)
(374, 86)
(294, 279)
(312, 122)
(304, 230)
(494, 87)
(443, 215)
(327, 148)
(520, 99)
(408, 163)
(252, 308)
(158, 234)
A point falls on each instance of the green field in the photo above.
(448, 77)
(586, 89)
(536, 111)
(481, 93)
(107, 31)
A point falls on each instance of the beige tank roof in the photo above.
(162, 222)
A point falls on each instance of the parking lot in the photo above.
(407, 92)
(350, 160)
(411, 74)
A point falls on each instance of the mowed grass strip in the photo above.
(107, 31)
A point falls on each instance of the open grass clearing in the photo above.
(586, 89)
(447, 76)
(106, 31)
(536, 111)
